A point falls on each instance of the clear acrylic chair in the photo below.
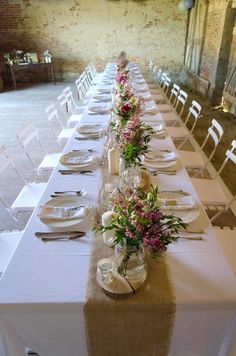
(210, 191)
(194, 160)
(8, 245)
(27, 136)
(56, 125)
(29, 196)
(182, 132)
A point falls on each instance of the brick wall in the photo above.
(80, 31)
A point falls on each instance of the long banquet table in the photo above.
(43, 290)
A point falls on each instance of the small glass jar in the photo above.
(104, 270)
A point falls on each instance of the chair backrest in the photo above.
(62, 100)
(163, 78)
(6, 160)
(70, 100)
(174, 93)
(86, 82)
(53, 117)
(193, 114)
(230, 155)
(90, 76)
(181, 101)
(166, 84)
(215, 132)
(25, 137)
(93, 69)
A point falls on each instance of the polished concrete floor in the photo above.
(26, 105)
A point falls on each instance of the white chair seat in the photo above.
(209, 191)
(191, 159)
(227, 239)
(177, 132)
(8, 244)
(164, 107)
(49, 162)
(74, 120)
(64, 135)
(29, 197)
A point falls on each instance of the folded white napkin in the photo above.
(62, 213)
(182, 203)
(159, 156)
(78, 160)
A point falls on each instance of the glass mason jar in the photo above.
(130, 261)
(130, 176)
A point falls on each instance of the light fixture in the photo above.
(185, 5)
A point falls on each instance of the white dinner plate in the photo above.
(99, 109)
(188, 215)
(67, 202)
(78, 159)
(102, 97)
(160, 159)
(90, 129)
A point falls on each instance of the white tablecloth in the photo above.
(42, 292)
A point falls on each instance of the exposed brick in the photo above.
(80, 31)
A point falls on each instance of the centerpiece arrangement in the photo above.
(138, 223)
(136, 220)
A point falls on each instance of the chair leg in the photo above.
(218, 214)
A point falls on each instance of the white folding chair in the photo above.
(71, 105)
(174, 93)
(30, 194)
(227, 240)
(166, 84)
(210, 191)
(193, 159)
(81, 90)
(163, 78)
(183, 132)
(181, 101)
(8, 245)
(55, 122)
(96, 74)
(28, 135)
(71, 112)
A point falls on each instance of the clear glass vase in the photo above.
(130, 176)
(130, 261)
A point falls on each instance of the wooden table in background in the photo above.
(48, 67)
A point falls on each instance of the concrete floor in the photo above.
(27, 104)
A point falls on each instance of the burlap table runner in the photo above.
(139, 325)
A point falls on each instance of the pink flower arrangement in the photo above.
(133, 139)
(139, 221)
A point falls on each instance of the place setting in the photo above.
(102, 98)
(180, 203)
(99, 109)
(80, 162)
